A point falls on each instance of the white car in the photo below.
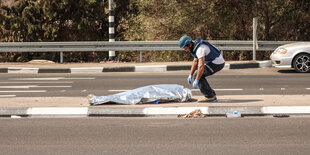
(294, 55)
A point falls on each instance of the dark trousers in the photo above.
(209, 69)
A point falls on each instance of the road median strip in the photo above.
(153, 111)
(137, 68)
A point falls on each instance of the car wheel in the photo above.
(301, 63)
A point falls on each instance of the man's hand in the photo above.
(195, 84)
(189, 79)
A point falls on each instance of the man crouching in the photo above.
(208, 59)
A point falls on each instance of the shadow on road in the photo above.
(289, 71)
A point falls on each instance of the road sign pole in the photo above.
(111, 29)
(255, 45)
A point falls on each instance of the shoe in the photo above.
(212, 99)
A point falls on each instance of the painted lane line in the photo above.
(54, 78)
(4, 96)
(52, 86)
(63, 91)
(15, 87)
(58, 111)
(32, 86)
(56, 82)
(191, 89)
(118, 90)
(39, 79)
(238, 89)
(86, 78)
(24, 91)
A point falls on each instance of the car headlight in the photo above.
(281, 51)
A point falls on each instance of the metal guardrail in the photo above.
(226, 45)
(80, 46)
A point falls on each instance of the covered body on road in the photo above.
(146, 94)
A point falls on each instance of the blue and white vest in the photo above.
(214, 52)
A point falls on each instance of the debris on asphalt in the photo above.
(194, 114)
(148, 94)
(234, 114)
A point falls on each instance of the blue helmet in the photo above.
(185, 40)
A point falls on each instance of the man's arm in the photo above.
(194, 66)
(201, 67)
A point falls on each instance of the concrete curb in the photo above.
(151, 111)
(151, 68)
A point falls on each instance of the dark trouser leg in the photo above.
(205, 88)
(203, 84)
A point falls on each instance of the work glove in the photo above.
(195, 84)
(189, 80)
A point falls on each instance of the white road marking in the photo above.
(151, 68)
(52, 86)
(84, 90)
(15, 116)
(58, 111)
(7, 96)
(54, 78)
(118, 90)
(63, 91)
(87, 70)
(24, 91)
(32, 86)
(87, 78)
(47, 79)
(288, 66)
(238, 89)
(15, 87)
(22, 70)
(52, 82)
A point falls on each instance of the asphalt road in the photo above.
(31, 136)
(258, 81)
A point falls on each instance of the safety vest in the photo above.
(214, 52)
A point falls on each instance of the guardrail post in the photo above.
(255, 45)
(111, 29)
(61, 57)
(140, 56)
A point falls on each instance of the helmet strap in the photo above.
(192, 47)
